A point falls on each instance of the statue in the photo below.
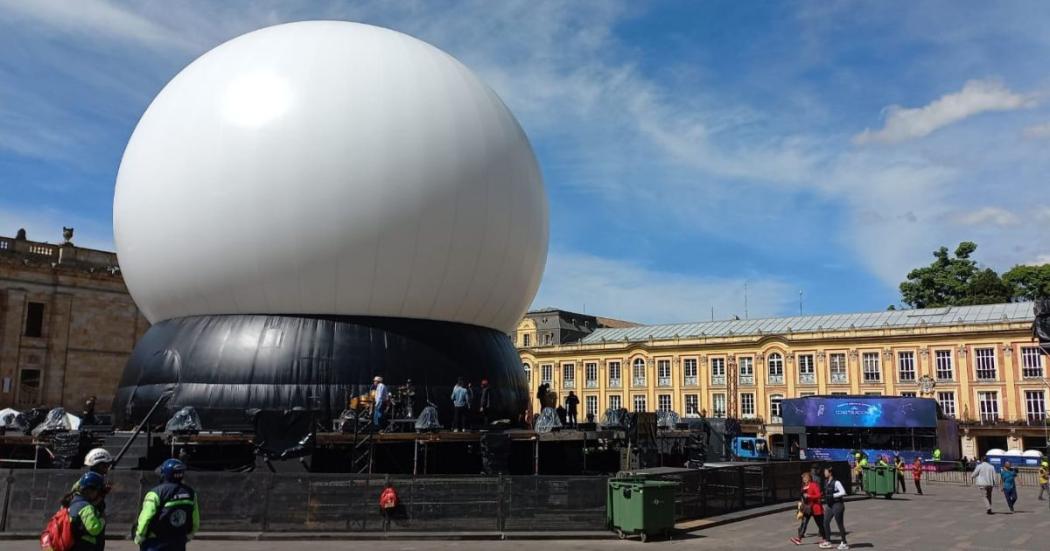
(67, 233)
(21, 235)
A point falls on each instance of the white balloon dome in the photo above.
(327, 167)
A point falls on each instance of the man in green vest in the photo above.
(170, 515)
(937, 454)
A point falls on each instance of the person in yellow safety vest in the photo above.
(898, 463)
(937, 454)
(1044, 478)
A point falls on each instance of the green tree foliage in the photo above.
(954, 281)
(1028, 282)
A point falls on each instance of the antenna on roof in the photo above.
(800, 302)
(712, 313)
(745, 299)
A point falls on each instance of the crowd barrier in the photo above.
(320, 502)
(1025, 477)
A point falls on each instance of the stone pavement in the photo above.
(947, 517)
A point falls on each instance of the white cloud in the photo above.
(993, 216)
(1037, 131)
(976, 96)
(95, 18)
(626, 290)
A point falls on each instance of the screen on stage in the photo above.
(860, 411)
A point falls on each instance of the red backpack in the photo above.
(58, 535)
(388, 499)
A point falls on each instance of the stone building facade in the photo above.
(979, 362)
(67, 324)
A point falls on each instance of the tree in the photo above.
(953, 281)
(1028, 282)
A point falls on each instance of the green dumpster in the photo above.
(880, 480)
(642, 507)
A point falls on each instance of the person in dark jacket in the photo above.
(834, 509)
(170, 515)
(572, 402)
(85, 514)
(485, 402)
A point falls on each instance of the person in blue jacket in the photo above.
(85, 514)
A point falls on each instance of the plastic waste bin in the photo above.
(880, 480)
(642, 507)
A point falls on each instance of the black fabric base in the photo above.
(225, 365)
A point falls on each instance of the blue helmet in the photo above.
(90, 480)
(172, 470)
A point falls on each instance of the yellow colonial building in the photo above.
(979, 362)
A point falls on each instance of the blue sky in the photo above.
(687, 147)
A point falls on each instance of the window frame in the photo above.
(747, 398)
(984, 355)
(864, 367)
(1028, 402)
(838, 368)
(947, 397)
(939, 369)
(1027, 352)
(910, 356)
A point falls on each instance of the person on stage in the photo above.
(381, 399)
(460, 405)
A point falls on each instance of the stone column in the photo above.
(10, 342)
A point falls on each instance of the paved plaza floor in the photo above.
(947, 517)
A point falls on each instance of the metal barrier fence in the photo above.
(319, 502)
(1025, 477)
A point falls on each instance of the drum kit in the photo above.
(399, 405)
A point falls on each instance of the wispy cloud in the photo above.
(976, 96)
(1037, 131)
(994, 216)
(98, 19)
(628, 290)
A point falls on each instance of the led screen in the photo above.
(860, 411)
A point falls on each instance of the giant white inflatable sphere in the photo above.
(329, 167)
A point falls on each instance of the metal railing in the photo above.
(690, 381)
(615, 383)
(663, 381)
(748, 380)
(807, 378)
(718, 380)
(839, 379)
(775, 379)
(638, 381)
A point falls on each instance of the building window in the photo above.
(837, 368)
(639, 402)
(568, 375)
(546, 374)
(692, 404)
(985, 363)
(663, 372)
(746, 370)
(873, 393)
(840, 393)
(689, 371)
(590, 370)
(943, 360)
(718, 371)
(988, 402)
(1031, 363)
(804, 394)
(947, 403)
(548, 339)
(1035, 405)
(615, 401)
(775, 365)
(775, 408)
(592, 405)
(872, 371)
(528, 373)
(908, 394)
(29, 387)
(906, 366)
(614, 375)
(526, 340)
(35, 319)
(663, 402)
(747, 405)
(718, 405)
(807, 373)
(638, 372)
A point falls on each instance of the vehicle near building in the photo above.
(750, 448)
(835, 428)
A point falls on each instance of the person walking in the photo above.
(916, 474)
(572, 402)
(811, 508)
(1009, 477)
(460, 406)
(1044, 478)
(834, 508)
(983, 477)
(86, 517)
(170, 515)
(898, 466)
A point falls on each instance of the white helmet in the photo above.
(96, 456)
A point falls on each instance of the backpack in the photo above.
(58, 534)
(388, 499)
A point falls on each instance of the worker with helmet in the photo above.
(170, 515)
(98, 461)
(86, 518)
